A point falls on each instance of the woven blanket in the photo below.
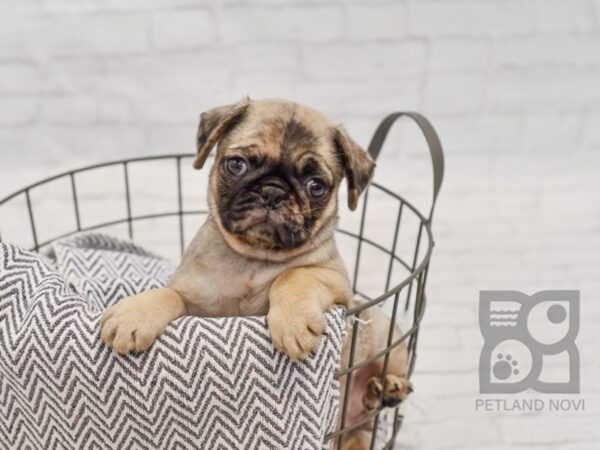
(211, 383)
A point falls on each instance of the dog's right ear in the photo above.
(214, 124)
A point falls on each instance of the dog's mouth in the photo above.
(266, 229)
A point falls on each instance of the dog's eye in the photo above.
(316, 188)
(236, 166)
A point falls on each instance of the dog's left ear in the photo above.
(214, 124)
(357, 163)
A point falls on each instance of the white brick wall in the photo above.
(513, 87)
(181, 29)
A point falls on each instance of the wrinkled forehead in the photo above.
(285, 131)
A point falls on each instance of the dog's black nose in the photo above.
(272, 197)
(272, 193)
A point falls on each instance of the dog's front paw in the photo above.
(395, 390)
(296, 333)
(134, 323)
(128, 328)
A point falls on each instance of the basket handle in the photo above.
(433, 142)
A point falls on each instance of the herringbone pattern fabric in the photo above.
(213, 383)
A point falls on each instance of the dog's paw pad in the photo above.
(395, 390)
(372, 395)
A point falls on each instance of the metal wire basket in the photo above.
(30, 217)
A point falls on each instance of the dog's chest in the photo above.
(231, 289)
(249, 292)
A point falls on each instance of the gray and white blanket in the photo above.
(214, 383)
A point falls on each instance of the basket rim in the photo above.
(425, 222)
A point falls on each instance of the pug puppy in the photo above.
(267, 246)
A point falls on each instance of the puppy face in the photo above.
(275, 178)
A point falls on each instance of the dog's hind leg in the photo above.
(370, 389)
(395, 386)
(358, 440)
